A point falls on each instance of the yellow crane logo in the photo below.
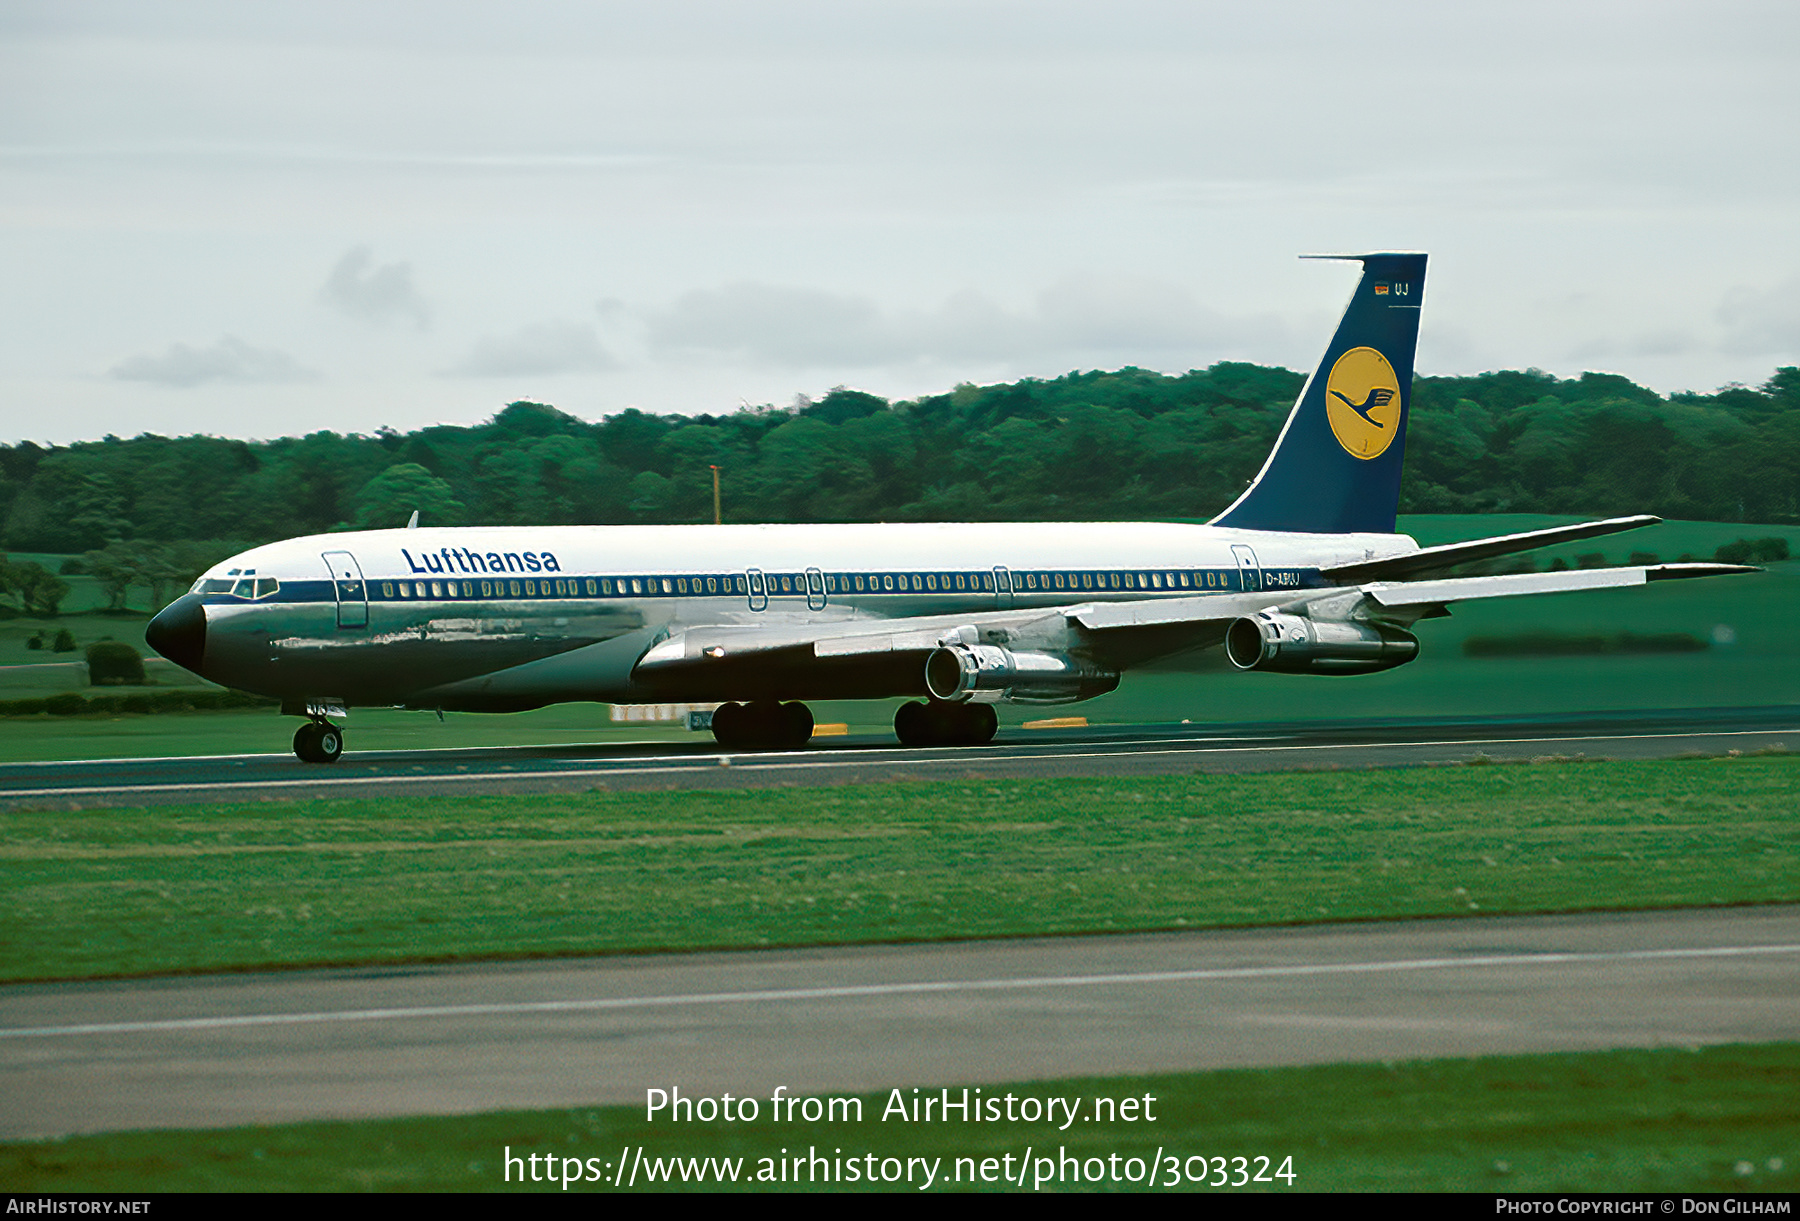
(1362, 401)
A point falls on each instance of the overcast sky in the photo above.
(258, 220)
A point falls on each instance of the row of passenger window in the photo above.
(572, 587)
(1024, 582)
(1179, 580)
(795, 584)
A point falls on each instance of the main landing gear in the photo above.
(318, 742)
(763, 725)
(941, 724)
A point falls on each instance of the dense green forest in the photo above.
(1123, 445)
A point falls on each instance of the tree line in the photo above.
(1098, 446)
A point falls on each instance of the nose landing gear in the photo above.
(318, 742)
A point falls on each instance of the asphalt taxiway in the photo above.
(1116, 750)
(240, 1049)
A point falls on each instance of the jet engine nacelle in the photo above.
(1292, 644)
(988, 674)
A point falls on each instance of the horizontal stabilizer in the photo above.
(1429, 559)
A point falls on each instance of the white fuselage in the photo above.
(491, 618)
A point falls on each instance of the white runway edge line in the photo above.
(854, 991)
(707, 759)
(465, 752)
(798, 760)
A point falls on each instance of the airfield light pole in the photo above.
(716, 518)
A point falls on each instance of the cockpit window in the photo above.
(238, 583)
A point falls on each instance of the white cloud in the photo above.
(542, 349)
(359, 288)
(229, 360)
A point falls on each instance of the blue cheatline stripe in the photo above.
(1073, 584)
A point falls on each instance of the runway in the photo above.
(1117, 750)
(231, 1050)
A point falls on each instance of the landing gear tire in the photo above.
(909, 725)
(981, 723)
(763, 725)
(940, 724)
(796, 725)
(728, 725)
(318, 742)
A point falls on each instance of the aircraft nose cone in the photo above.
(179, 632)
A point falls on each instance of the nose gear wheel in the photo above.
(318, 742)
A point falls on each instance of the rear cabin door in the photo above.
(1249, 571)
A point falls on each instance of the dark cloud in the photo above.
(543, 349)
(361, 289)
(229, 360)
(1078, 319)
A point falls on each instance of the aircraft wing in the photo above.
(1427, 559)
(1121, 631)
(1147, 613)
(1459, 589)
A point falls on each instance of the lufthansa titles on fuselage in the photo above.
(462, 559)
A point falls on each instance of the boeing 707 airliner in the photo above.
(1303, 573)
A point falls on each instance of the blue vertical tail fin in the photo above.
(1335, 469)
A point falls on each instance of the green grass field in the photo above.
(1715, 1119)
(86, 893)
(231, 887)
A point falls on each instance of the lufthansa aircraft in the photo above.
(1302, 574)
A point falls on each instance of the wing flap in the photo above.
(842, 638)
(884, 642)
(1167, 612)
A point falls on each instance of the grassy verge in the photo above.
(202, 888)
(1718, 1119)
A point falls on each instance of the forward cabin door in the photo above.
(759, 592)
(1002, 588)
(347, 584)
